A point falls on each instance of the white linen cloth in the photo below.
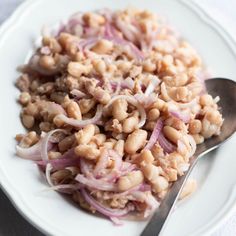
(12, 224)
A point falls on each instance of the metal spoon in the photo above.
(226, 90)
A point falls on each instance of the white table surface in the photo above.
(12, 223)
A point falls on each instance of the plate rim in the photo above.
(44, 226)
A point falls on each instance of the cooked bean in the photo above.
(102, 96)
(130, 180)
(99, 66)
(152, 173)
(153, 114)
(195, 126)
(119, 147)
(198, 138)
(87, 152)
(54, 155)
(32, 109)
(66, 143)
(76, 69)
(119, 109)
(85, 135)
(206, 100)
(130, 124)
(73, 110)
(86, 105)
(47, 62)
(60, 176)
(103, 46)
(146, 156)
(99, 139)
(179, 93)
(28, 121)
(135, 141)
(172, 134)
(24, 98)
(188, 188)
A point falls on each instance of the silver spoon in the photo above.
(226, 90)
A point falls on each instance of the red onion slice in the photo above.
(84, 167)
(112, 35)
(155, 134)
(109, 212)
(45, 142)
(98, 184)
(146, 101)
(59, 164)
(66, 188)
(82, 123)
(31, 153)
(48, 174)
(185, 117)
(78, 94)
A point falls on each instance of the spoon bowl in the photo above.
(226, 90)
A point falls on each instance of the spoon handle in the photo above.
(159, 218)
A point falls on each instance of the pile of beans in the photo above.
(138, 71)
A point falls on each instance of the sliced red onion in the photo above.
(152, 85)
(90, 44)
(73, 22)
(66, 188)
(127, 83)
(167, 146)
(145, 187)
(187, 104)
(155, 134)
(110, 31)
(109, 212)
(31, 153)
(98, 184)
(128, 167)
(59, 164)
(129, 191)
(128, 30)
(48, 174)
(45, 143)
(84, 167)
(82, 123)
(78, 94)
(146, 101)
(185, 117)
(116, 221)
(124, 84)
(134, 102)
(112, 35)
(91, 31)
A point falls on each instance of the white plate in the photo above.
(20, 179)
